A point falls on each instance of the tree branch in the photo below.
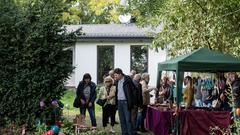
(209, 45)
(200, 6)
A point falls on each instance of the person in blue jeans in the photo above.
(125, 100)
(86, 91)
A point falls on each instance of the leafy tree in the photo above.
(34, 63)
(77, 12)
(191, 24)
(91, 12)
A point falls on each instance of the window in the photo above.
(105, 61)
(139, 58)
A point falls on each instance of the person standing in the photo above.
(146, 97)
(125, 100)
(108, 110)
(165, 91)
(111, 74)
(224, 89)
(132, 73)
(197, 92)
(189, 92)
(138, 103)
(86, 91)
(206, 89)
(235, 84)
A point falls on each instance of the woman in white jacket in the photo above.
(108, 109)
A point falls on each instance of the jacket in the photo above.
(188, 95)
(103, 94)
(138, 94)
(80, 93)
(129, 88)
(236, 92)
(145, 93)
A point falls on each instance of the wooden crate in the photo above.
(79, 123)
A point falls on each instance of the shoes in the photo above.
(94, 128)
(112, 131)
(143, 130)
(94, 131)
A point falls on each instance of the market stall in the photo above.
(200, 60)
(192, 122)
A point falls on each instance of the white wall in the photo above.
(122, 57)
(86, 61)
(153, 59)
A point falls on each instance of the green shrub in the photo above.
(34, 61)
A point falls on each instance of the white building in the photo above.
(120, 39)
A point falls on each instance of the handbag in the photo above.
(101, 102)
(76, 102)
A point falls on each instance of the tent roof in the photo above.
(202, 60)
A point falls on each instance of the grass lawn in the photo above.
(69, 112)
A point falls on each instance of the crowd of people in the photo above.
(130, 96)
(207, 92)
(127, 94)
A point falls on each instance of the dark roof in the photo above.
(113, 31)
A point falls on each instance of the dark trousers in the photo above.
(108, 111)
(115, 111)
(144, 113)
(134, 113)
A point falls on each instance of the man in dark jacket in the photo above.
(86, 91)
(138, 101)
(125, 100)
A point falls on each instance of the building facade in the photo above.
(107, 46)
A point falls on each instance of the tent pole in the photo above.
(179, 80)
(159, 75)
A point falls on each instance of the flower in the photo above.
(42, 104)
(55, 103)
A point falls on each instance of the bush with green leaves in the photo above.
(234, 128)
(34, 62)
(236, 120)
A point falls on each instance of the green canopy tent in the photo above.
(200, 60)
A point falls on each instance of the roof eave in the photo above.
(115, 39)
